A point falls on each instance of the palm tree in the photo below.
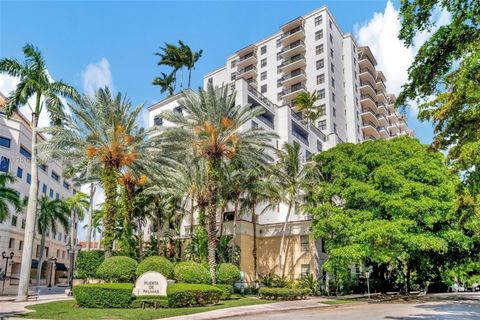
(8, 197)
(35, 82)
(166, 83)
(170, 55)
(289, 182)
(78, 204)
(211, 125)
(50, 213)
(103, 134)
(95, 226)
(93, 189)
(190, 58)
(305, 102)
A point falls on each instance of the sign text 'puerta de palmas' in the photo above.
(151, 283)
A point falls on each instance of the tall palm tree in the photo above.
(9, 197)
(50, 213)
(35, 82)
(289, 183)
(166, 83)
(305, 102)
(78, 204)
(170, 55)
(105, 130)
(95, 226)
(93, 189)
(212, 126)
(189, 58)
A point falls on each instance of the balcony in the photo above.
(367, 75)
(246, 50)
(290, 93)
(367, 100)
(370, 129)
(249, 58)
(247, 72)
(369, 115)
(393, 129)
(382, 121)
(381, 108)
(299, 133)
(267, 119)
(295, 76)
(294, 34)
(259, 98)
(383, 132)
(293, 63)
(381, 96)
(292, 49)
(392, 117)
(366, 87)
(252, 82)
(367, 63)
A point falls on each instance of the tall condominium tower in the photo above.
(309, 53)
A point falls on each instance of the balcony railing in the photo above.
(293, 59)
(246, 69)
(300, 137)
(294, 88)
(292, 31)
(367, 83)
(266, 121)
(247, 56)
(293, 45)
(367, 96)
(271, 106)
(362, 70)
(294, 74)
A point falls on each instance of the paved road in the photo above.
(464, 310)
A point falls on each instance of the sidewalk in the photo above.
(11, 308)
(310, 303)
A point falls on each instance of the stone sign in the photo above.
(151, 283)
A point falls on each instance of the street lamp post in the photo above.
(71, 250)
(6, 257)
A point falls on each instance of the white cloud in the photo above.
(380, 33)
(96, 76)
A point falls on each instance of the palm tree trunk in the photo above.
(213, 175)
(189, 76)
(109, 182)
(222, 209)
(90, 215)
(26, 266)
(40, 259)
(282, 241)
(235, 213)
(254, 250)
(192, 203)
(181, 80)
(158, 234)
(100, 236)
(73, 237)
(140, 239)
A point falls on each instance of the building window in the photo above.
(5, 142)
(320, 64)
(57, 196)
(29, 178)
(23, 223)
(233, 76)
(63, 254)
(279, 69)
(334, 112)
(321, 78)
(321, 94)
(330, 23)
(305, 243)
(321, 109)
(4, 164)
(279, 56)
(333, 83)
(333, 97)
(42, 167)
(19, 172)
(319, 49)
(233, 64)
(318, 20)
(66, 185)
(51, 193)
(263, 89)
(25, 152)
(322, 124)
(319, 146)
(279, 43)
(44, 188)
(332, 67)
(335, 127)
(58, 253)
(263, 63)
(263, 50)
(157, 121)
(331, 39)
(14, 221)
(210, 80)
(228, 216)
(304, 270)
(319, 34)
(331, 53)
(20, 245)
(11, 243)
(263, 75)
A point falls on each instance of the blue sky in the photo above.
(89, 43)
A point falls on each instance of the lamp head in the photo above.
(11, 254)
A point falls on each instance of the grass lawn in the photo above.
(335, 302)
(68, 310)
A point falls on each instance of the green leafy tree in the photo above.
(388, 204)
(211, 124)
(50, 214)
(305, 102)
(78, 204)
(9, 197)
(35, 82)
(166, 83)
(189, 58)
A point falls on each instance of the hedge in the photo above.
(104, 295)
(188, 295)
(283, 293)
(227, 273)
(87, 262)
(150, 302)
(117, 269)
(158, 264)
(191, 272)
(227, 290)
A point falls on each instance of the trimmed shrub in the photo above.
(150, 302)
(227, 290)
(158, 264)
(104, 295)
(117, 269)
(283, 293)
(87, 262)
(227, 273)
(189, 295)
(191, 272)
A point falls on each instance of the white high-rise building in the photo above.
(309, 53)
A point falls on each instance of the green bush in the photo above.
(158, 264)
(188, 295)
(227, 290)
(227, 273)
(104, 295)
(117, 269)
(150, 302)
(283, 293)
(191, 272)
(310, 282)
(87, 262)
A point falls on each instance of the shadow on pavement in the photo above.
(461, 310)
